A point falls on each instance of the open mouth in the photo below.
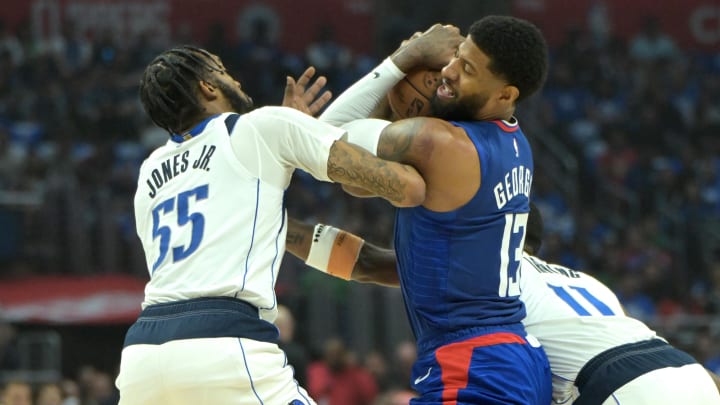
(445, 91)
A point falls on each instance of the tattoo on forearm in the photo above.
(294, 238)
(353, 167)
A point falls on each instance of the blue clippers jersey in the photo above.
(459, 269)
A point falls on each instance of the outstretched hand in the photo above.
(303, 98)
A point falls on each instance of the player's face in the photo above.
(239, 101)
(467, 86)
(231, 90)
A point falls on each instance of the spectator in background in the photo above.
(217, 41)
(615, 163)
(405, 355)
(96, 387)
(338, 380)
(16, 393)
(636, 302)
(10, 44)
(330, 57)
(49, 394)
(714, 294)
(554, 206)
(706, 349)
(377, 366)
(12, 161)
(259, 61)
(296, 353)
(9, 359)
(652, 44)
(71, 392)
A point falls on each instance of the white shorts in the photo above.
(208, 371)
(686, 385)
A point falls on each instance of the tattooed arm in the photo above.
(412, 141)
(374, 264)
(351, 165)
(299, 238)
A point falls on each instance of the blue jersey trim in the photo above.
(252, 238)
(230, 122)
(196, 130)
(277, 252)
(247, 369)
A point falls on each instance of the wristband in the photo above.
(334, 251)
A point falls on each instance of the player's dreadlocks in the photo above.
(168, 88)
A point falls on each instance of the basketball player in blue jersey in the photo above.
(459, 252)
(597, 354)
(209, 211)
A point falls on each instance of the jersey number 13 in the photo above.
(511, 252)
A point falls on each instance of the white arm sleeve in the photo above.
(360, 99)
(365, 133)
(272, 141)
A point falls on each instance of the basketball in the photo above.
(411, 96)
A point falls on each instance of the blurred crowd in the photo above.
(90, 387)
(627, 141)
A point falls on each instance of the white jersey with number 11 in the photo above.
(575, 317)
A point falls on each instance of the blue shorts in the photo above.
(493, 368)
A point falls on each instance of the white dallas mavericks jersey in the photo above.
(209, 209)
(575, 317)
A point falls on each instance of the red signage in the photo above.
(102, 299)
(293, 23)
(693, 24)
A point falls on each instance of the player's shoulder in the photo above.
(156, 154)
(273, 112)
(420, 134)
(431, 130)
(424, 125)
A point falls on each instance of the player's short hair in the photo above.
(168, 88)
(517, 51)
(533, 234)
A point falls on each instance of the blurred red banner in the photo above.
(694, 24)
(105, 299)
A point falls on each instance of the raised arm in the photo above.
(431, 49)
(341, 254)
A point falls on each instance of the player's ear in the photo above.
(509, 93)
(208, 90)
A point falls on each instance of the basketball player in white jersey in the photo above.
(597, 354)
(210, 214)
